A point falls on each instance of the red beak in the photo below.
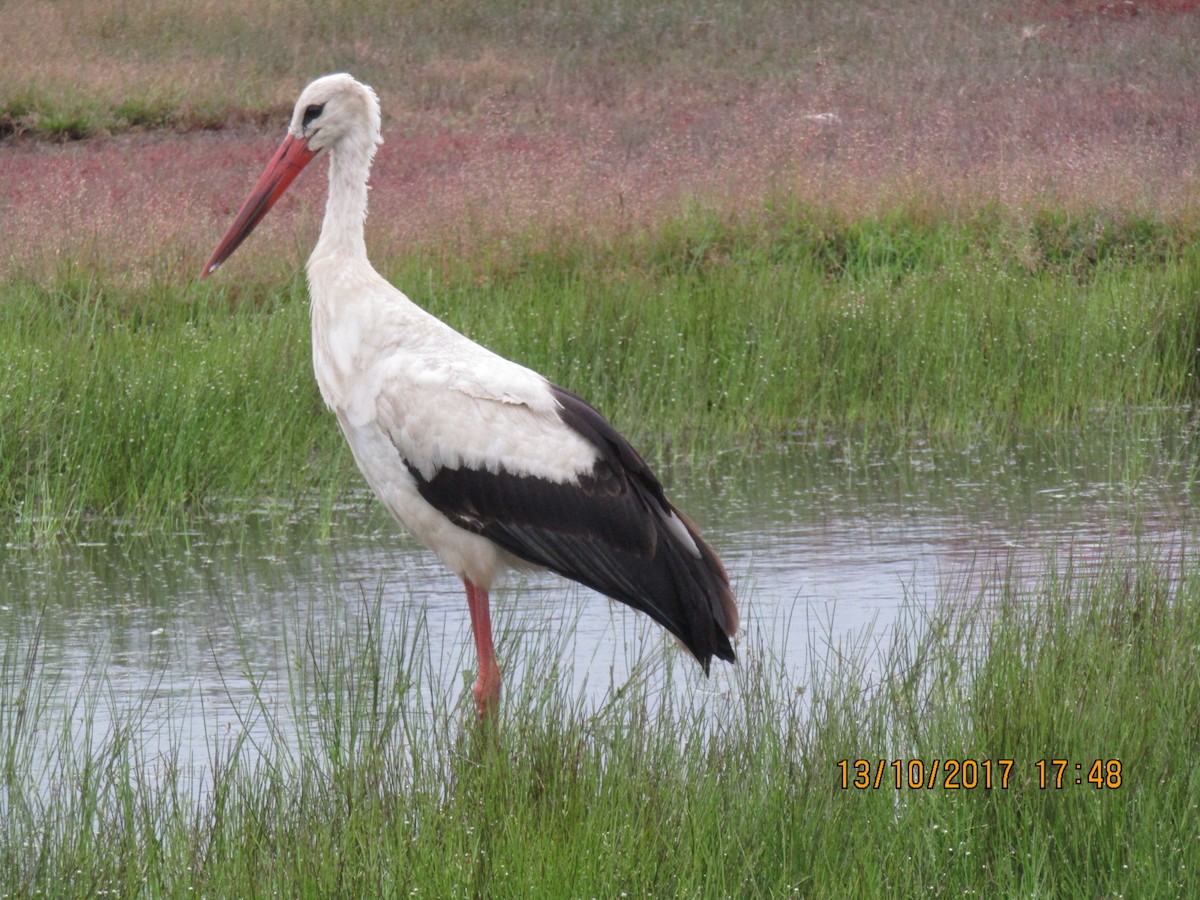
(292, 156)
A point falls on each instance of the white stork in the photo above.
(484, 461)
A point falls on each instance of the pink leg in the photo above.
(487, 686)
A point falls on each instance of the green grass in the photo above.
(59, 116)
(150, 407)
(653, 792)
(157, 400)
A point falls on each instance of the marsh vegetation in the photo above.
(884, 230)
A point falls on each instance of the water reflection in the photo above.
(198, 635)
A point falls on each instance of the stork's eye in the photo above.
(311, 112)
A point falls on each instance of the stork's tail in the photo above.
(702, 611)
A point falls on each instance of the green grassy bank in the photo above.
(385, 794)
(156, 400)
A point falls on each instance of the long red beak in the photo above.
(291, 157)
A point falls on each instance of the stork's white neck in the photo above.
(346, 208)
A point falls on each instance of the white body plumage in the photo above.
(415, 387)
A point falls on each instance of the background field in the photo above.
(511, 118)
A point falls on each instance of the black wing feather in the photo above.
(608, 530)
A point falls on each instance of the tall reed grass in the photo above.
(152, 401)
(385, 791)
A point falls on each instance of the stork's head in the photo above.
(334, 113)
(332, 108)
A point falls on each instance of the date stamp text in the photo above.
(977, 774)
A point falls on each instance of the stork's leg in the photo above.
(487, 686)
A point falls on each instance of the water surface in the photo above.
(189, 637)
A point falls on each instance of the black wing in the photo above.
(610, 530)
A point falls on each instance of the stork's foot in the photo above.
(487, 694)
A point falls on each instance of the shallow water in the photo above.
(188, 639)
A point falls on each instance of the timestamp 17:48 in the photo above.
(1059, 773)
